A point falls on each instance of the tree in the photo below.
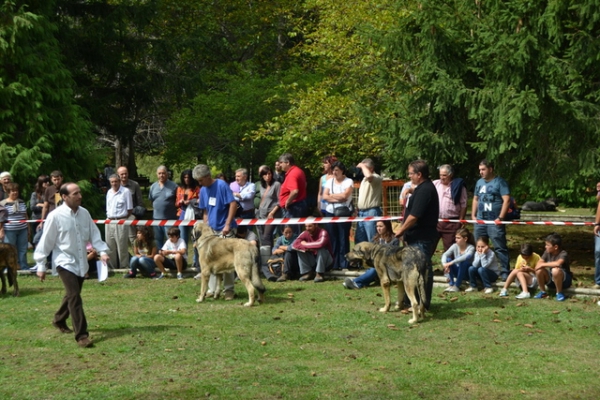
(41, 127)
(511, 81)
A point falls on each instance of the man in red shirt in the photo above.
(292, 195)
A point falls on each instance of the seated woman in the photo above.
(385, 236)
(144, 249)
(17, 231)
(458, 258)
(485, 267)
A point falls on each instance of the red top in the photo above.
(294, 180)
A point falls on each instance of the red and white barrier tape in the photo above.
(294, 221)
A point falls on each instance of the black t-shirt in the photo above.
(424, 205)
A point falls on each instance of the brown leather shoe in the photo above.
(61, 326)
(307, 277)
(85, 342)
(229, 296)
(282, 278)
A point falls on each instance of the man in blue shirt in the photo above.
(219, 205)
(490, 203)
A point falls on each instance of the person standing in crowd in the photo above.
(421, 217)
(5, 179)
(279, 173)
(52, 198)
(118, 206)
(36, 204)
(243, 192)
(162, 195)
(327, 175)
(338, 193)
(17, 231)
(597, 246)
(452, 195)
(136, 197)
(490, 203)
(187, 191)
(219, 207)
(268, 208)
(66, 234)
(369, 201)
(292, 195)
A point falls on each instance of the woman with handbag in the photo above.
(338, 194)
(186, 192)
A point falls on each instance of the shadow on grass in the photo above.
(444, 308)
(112, 333)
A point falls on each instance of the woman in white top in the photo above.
(327, 174)
(338, 193)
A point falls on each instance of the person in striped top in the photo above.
(16, 230)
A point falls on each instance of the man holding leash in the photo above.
(216, 198)
(420, 218)
(66, 232)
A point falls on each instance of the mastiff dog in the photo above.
(8, 260)
(219, 255)
(405, 266)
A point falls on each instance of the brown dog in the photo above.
(406, 266)
(8, 259)
(219, 255)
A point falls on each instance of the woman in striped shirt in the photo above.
(16, 230)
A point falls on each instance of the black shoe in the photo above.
(129, 274)
(62, 327)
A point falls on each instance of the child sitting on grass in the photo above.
(524, 273)
(553, 269)
(485, 266)
(173, 254)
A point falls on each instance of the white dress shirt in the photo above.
(119, 203)
(66, 234)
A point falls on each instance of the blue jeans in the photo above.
(339, 236)
(18, 239)
(497, 234)
(487, 276)
(160, 235)
(458, 271)
(366, 230)
(427, 247)
(298, 209)
(367, 278)
(597, 259)
(145, 265)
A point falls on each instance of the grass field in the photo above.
(307, 341)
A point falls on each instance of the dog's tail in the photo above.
(255, 278)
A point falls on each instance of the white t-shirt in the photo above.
(175, 246)
(337, 188)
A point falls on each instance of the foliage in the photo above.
(509, 81)
(41, 127)
(327, 117)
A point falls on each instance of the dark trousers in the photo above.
(72, 304)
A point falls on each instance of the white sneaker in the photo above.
(503, 293)
(471, 289)
(523, 295)
(452, 289)
(488, 290)
(179, 276)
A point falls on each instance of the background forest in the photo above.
(235, 83)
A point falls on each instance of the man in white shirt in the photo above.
(119, 205)
(67, 231)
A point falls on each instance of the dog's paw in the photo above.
(248, 304)
(384, 309)
(199, 299)
(412, 321)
